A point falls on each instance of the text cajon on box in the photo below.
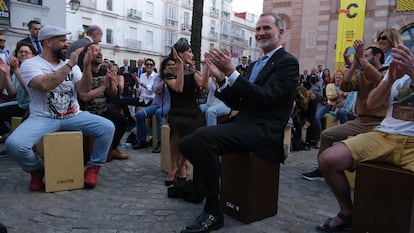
(63, 160)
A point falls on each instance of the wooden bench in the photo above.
(383, 199)
(63, 160)
(15, 122)
(165, 160)
(249, 186)
(153, 123)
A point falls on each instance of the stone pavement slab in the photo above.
(131, 198)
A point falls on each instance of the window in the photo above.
(170, 39)
(109, 5)
(109, 39)
(187, 21)
(36, 2)
(172, 16)
(150, 9)
(225, 31)
(150, 38)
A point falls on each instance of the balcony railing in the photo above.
(171, 23)
(186, 27)
(225, 37)
(213, 35)
(214, 11)
(134, 14)
(225, 15)
(133, 44)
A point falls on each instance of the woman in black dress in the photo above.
(185, 116)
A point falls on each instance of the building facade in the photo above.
(312, 26)
(138, 29)
(20, 12)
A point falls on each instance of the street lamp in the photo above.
(74, 5)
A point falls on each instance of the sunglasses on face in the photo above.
(149, 64)
(382, 38)
(1, 40)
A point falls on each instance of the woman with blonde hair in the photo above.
(387, 39)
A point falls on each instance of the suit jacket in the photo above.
(305, 80)
(129, 81)
(242, 70)
(122, 69)
(265, 105)
(142, 71)
(27, 40)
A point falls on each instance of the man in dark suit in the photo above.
(34, 28)
(140, 69)
(264, 102)
(243, 66)
(125, 69)
(305, 79)
(129, 80)
(93, 35)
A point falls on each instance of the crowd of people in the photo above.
(55, 86)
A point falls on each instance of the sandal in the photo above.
(345, 226)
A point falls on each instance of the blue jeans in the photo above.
(212, 112)
(134, 101)
(20, 143)
(342, 115)
(147, 112)
(319, 114)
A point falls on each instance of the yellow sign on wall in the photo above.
(351, 16)
(4, 12)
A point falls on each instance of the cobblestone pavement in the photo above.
(131, 197)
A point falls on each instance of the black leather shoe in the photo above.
(205, 223)
(156, 150)
(140, 145)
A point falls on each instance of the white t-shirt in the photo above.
(62, 101)
(400, 113)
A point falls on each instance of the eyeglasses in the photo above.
(26, 52)
(149, 64)
(2, 40)
(382, 38)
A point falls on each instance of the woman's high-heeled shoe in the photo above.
(168, 182)
(171, 182)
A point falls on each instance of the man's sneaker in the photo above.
(313, 175)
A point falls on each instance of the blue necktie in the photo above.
(257, 68)
(139, 72)
(38, 48)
